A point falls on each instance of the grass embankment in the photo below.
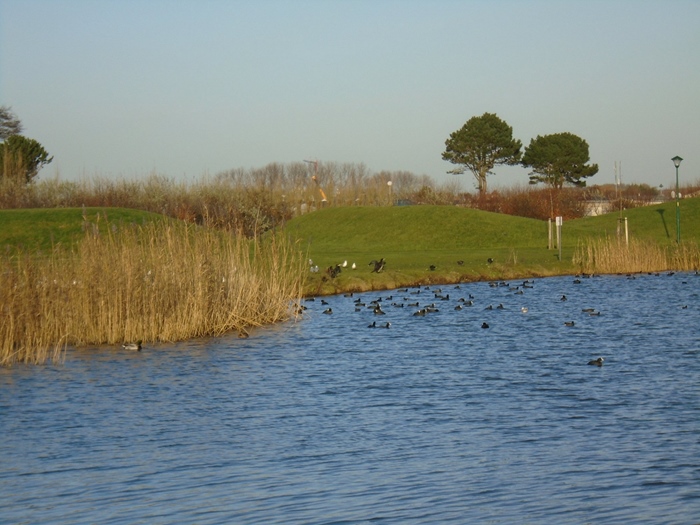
(411, 239)
(32, 230)
(123, 282)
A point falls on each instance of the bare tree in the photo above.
(9, 123)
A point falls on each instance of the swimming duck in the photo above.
(569, 323)
(597, 362)
(484, 325)
(328, 311)
(133, 346)
(373, 324)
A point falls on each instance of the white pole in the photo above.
(559, 222)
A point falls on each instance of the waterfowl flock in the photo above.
(424, 301)
(479, 309)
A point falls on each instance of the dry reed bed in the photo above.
(611, 255)
(153, 283)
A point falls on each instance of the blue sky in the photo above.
(193, 87)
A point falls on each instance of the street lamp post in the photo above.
(677, 162)
(391, 196)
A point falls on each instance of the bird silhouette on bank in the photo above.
(378, 265)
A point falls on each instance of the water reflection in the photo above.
(328, 421)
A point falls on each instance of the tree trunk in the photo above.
(481, 179)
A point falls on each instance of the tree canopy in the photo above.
(22, 157)
(557, 159)
(481, 144)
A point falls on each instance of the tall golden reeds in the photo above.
(610, 255)
(159, 282)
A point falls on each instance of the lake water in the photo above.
(327, 421)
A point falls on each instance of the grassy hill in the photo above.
(40, 229)
(655, 223)
(410, 238)
(413, 238)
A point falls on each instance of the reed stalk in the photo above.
(158, 282)
(610, 255)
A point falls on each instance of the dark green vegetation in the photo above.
(481, 144)
(21, 158)
(487, 141)
(559, 159)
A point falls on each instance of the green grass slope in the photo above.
(40, 229)
(654, 223)
(412, 238)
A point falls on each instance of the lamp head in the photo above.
(676, 161)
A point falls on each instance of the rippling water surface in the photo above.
(433, 420)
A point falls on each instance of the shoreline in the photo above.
(325, 285)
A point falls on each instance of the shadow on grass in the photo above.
(663, 220)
